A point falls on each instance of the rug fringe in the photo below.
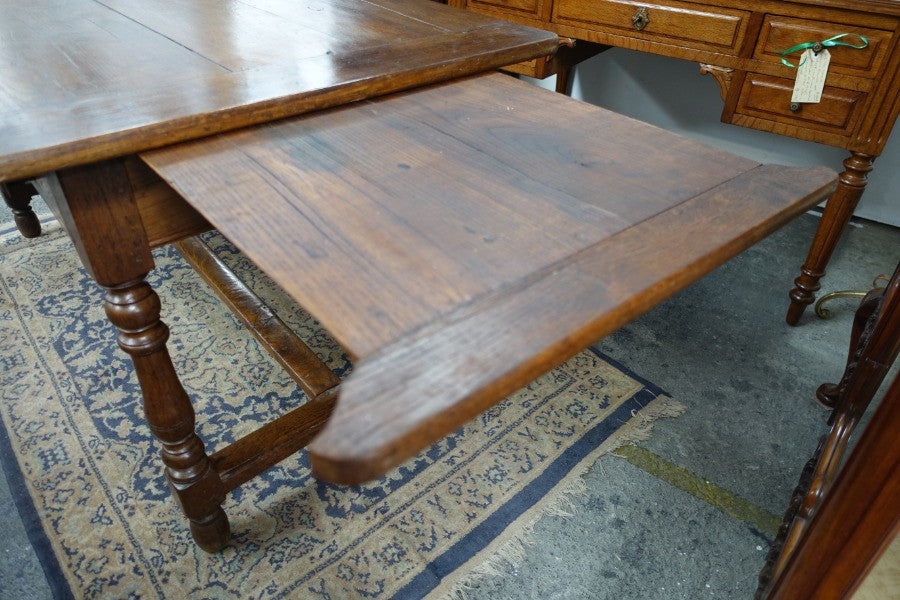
(508, 550)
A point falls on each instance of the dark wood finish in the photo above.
(274, 441)
(102, 195)
(17, 195)
(858, 517)
(738, 41)
(97, 206)
(429, 226)
(461, 173)
(301, 363)
(833, 533)
(477, 355)
(123, 76)
(570, 53)
(134, 308)
(829, 394)
(166, 217)
(422, 229)
(277, 440)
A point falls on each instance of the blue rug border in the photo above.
(477, 539)
(430, 577)
(28, 514)
(648, 385)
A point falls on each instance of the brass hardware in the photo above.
(640, 18)
(880, 282)
(817, 47)
(823, 312)
(796, 106)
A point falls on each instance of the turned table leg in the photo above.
(134, 308)
(17, 195)
(98, 207)
(838, 211)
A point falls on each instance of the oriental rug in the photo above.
(87, 479)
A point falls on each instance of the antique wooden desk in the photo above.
(738, 43)
(451, 238)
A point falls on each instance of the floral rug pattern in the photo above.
(88, 473)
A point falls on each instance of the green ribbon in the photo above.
(829, 43)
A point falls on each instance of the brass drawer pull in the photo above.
(640, 18)
(795, 107)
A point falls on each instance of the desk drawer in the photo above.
(531, 8)
(780, 33)
(769, 98)
(664, 21)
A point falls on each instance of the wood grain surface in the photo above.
(858, 518)
(740, 42)
(462, 239)
(432, 199)
(424, 386)
(84, 80)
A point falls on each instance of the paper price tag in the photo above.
(811, 76)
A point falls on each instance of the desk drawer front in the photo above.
(780, 33)
(531, 8)
(664, 21)
(769, 98)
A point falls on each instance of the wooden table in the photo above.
(87, 85)
(455, 241)
(738, 43)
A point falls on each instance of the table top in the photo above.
(460, 240)
(85, 80)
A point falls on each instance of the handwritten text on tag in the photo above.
(811, 76)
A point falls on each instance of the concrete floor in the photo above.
(721, 347)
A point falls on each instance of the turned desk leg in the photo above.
(838, 211)
(17, 195)
(97, 205)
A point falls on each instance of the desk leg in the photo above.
(97, 205)
(563, 75)
(838, 211)
(17, 195)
